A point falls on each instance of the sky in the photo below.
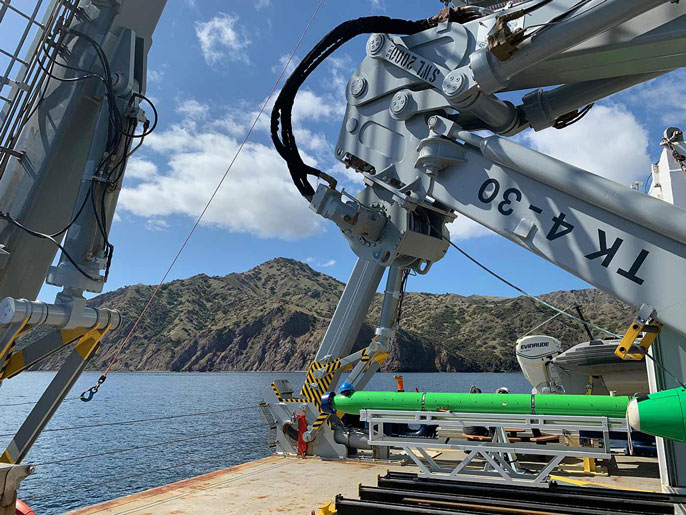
(212, 65)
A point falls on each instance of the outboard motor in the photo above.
(535, 354)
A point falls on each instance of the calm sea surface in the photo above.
(56, 488)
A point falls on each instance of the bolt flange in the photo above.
(358, 86)
(454, 83)
(375, 44)
(351, 124)
(400, 102)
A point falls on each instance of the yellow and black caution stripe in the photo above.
(283, 399)
(364, 358)
(314, 393)
(11, 345)
(320, 421)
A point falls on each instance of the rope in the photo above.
(131, 476)
(560, 311)
(548, 320)
(36, 402)
(153, 419)
(209, 201)
(148, 446)
(527, 294)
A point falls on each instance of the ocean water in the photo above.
(242, 435)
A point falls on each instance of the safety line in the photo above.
(548, 320)
(153, 419)
(35, 402)
(559, 311)
(527, 294)
(148, 446)
(214, 193)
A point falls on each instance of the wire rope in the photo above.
(147, 446)
(209, 201)
(136, 421)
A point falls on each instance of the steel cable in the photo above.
(527, 294)
(209, 201)
(152, 419)
(560, 311)
(147, 446)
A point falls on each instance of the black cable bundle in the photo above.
(285, 140)
(116, 136)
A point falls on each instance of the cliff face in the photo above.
(274, 316)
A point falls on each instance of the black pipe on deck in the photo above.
(402, 493)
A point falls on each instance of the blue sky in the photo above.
(213, 63)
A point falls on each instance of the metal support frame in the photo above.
(500, 455)
(351, 311)
(10, 477)
(53, 396)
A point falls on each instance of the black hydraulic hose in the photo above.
(281, 119)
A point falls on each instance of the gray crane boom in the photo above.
(63, 155)
(415, 107)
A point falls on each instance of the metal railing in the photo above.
(27, 46)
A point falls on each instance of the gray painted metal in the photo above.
(282, 413)
(400, 123)
(46, 406)
(599, 16)
(61, 142)
(543, 107)
(351, 311)
(499, 454)
(47, 180)
(57, 315)
(626, 243)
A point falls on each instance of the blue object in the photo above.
(346, 389)
(327, 407)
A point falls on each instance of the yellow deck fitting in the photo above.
(651, 330)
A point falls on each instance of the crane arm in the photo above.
(415, 103)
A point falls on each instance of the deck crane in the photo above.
(415, 108)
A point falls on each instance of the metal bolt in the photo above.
(375, 43)
(400, 101)
(453, 83)
(433, 121)
(351, 124)
(339, 151)
(358, 85)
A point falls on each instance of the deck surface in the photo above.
(275, 484)
(280, 484)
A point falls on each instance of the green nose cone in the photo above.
(660, 414)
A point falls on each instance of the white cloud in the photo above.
(277, 68)
(155, 75)
(138, 168)
(609, 141)
(257, 196)
(664, 97)
(222, 38)
(341, 68)
(326, 264)
(464, 228)
(262, 4)
(193, 109)
(156, 224)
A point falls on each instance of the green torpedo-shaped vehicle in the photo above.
(658, 414)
